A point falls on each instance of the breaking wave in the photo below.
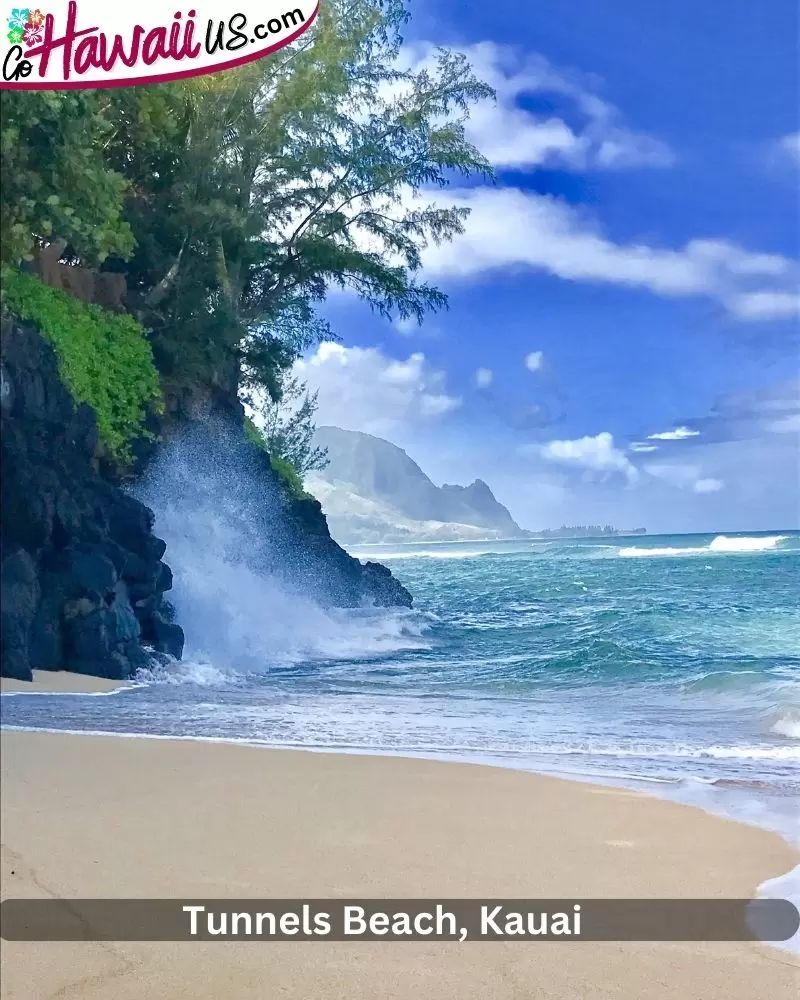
(788, 727)
(238, 615)
(722, 543)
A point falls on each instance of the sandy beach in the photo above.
(60, 682)
(105, 817)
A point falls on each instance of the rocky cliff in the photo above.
(82, 575)
(212, 474)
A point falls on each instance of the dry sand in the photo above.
(59, 681)
(94, 816)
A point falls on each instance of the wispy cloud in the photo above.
(510, 135)
(511, 229)
(406, 325)
(684, 477)
(765, 305)
(789, 147)
(677, 434)
(755, 414)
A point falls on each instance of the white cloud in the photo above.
(596, 454)
(684, 477)
(790, 424)
(361, 388)
(484, 377)
(406, 326)
(509, 228)
(681, 476)
(640, 446)
(534, 360)
(708, 485)
(789, 145)
(678, 434)
(509, 135)
(766, 305)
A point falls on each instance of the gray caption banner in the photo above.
(398, 920)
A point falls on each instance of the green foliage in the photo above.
(290, 477)
(235, 201)
(291, 480)
(254, 435)
(290, 175)
(56, 177)
(104, 358)
(288, 423)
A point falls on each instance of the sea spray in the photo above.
(238, 567)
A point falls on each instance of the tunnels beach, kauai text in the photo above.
(354, 921)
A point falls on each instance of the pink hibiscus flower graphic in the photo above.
(33, 34)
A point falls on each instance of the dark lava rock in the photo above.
(19, 580)
(74, 545)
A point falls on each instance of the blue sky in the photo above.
(622, 340)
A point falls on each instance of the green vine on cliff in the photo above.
(104, 358)
(289, 478)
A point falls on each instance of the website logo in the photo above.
(90, 44)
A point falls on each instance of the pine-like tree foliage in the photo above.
(234, 202)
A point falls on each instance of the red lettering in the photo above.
(107, 61)
(192, 51)
(174, 33)
(86, 55)
(155, 46)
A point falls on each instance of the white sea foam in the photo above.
(775, 753)
(236, 616)
(725, 543)
(722, 543)
(747, 753)
(696, 753)
(633, 551)
(424, 554)
(789, 727)
(192, 671)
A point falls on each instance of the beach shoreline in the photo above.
(98, 816)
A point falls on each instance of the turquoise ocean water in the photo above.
(667, 662)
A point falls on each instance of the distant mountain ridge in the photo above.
(372, 490)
